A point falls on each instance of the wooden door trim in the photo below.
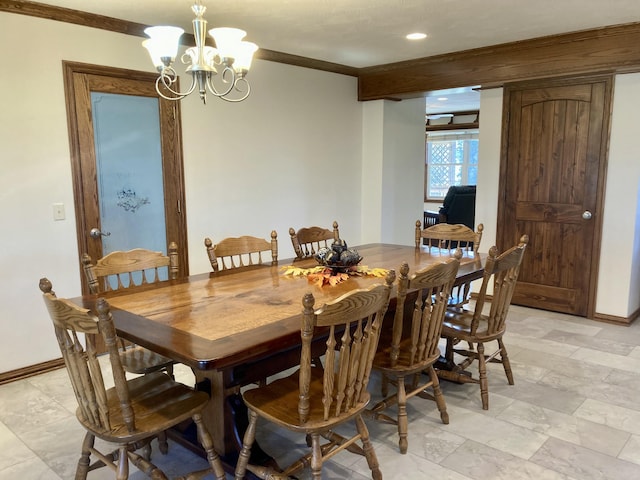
(608, 80)
(173, 168)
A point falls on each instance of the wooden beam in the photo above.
(607, 49)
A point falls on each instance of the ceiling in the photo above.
(362, 33)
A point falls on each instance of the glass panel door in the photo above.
(126, 159)
(129, 172)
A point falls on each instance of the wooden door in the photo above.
(552, 182)
(86, 82)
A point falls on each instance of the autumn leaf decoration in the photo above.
(322, 275)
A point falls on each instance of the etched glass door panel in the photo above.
(129, 173)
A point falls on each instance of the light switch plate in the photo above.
(58, 211)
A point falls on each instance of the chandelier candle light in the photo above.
(231, 60)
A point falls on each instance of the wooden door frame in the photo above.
(173, 167)
(608, 78)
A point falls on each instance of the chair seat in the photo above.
(457, 323)
(158, 402)
(278, 402)
(382, 360)
(137, 359)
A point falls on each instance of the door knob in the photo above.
(96, 233)
(586, 215)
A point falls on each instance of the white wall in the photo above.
(619, 273)
(393, 152)
(403, 184)
(290, 155)
(489, 160)
(372, 169)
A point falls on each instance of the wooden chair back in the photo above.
(241, 251)
(447, 236)
(126, 267)
(353, 322)
(501, 270)
(419, 343)
(308, 240)
(76, 330)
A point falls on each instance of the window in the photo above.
(452, 159)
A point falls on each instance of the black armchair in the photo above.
(459, 206)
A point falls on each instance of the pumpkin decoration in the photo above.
(339, 257)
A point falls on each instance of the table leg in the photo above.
(225, 416)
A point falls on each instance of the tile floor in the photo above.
(574, 413)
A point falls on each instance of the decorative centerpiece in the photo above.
(336, 265)
(338, 258)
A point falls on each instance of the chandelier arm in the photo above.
(212, 88)
(167, 85)
(246, 94)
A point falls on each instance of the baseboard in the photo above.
(30, 371)
(617, 320)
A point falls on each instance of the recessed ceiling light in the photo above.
(416, 36)
(442, 99)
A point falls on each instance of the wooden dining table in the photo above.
(237, 327)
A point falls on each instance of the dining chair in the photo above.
(132, 412)
(316, 399)
(237, 252)
(478, 328)
(446, 237)
(413, 348)
(308, 240)
(121, 270)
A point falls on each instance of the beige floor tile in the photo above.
(395, 466)
(549, 323)
(583, 463)
(34, 469)
(561, 364)
(631, 451)
(12, 449)
(539, 394)
(540, 345)
(24, 408)
(624, 395)
(57, 386)
(481, 462)
(595, 436)
(434, 443)
(507, 437)
(595, 343)
(612, 415)
(595, 357)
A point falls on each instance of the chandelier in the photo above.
(227, 65)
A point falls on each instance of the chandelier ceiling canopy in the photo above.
(220, 71)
